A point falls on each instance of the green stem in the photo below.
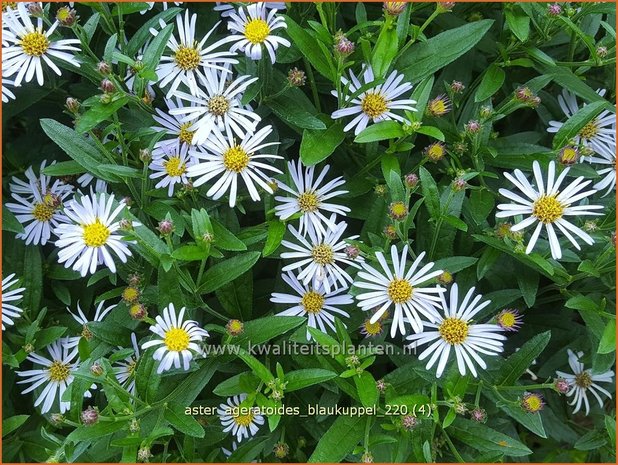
(452, 447)
(314, 89)
(525, 387)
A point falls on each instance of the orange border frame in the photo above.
(294, 1)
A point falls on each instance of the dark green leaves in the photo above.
(428, 57)
(339, 440)
(491, 83)
(317, 145)
(226, 271)
(518, 363)
(380, 131)
(576, 122)
(310, 48)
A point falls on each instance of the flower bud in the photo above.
(104, 68)
(145, 156)
(602, 51)
(105, 99)
(138, 311)
(394, 8)
(66, 16)
(554, 9)
(380, 190)
(296, 77)
(96, 369)
(398, 211)
(591, 226)
(90, 416)
(28, 348)
(457, 87)
(134, 280)
(130, 294)
(479, 415)
(390, 232)
(143, 454)
(72, 105)
(411, 180)
(208, 237)
(234, 327)
(367, 457)
(409, 422)
(57, 419)
(166, 227)
(126, 224)
(107, 86)
(134, 426)
(281, 450)
(561, 385)
(381, 385)
(445, 278)
(444, 7)
(486, 112)
(343, 46)
(568, 155)
(351, 251)
(34, 9)
(435, 152)
(532, 402)
(472, 127)
(459, 184)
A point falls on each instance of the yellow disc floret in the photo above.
(34, 44)
(175, 167)
(96, 234)
(218, 105)
(236, 159)
(256, 31)
(59, 371)
(547, 209)
(589, 130)
(176, 339)
(323, 254)
(312, 302)
(185, 135)
(374, 104)
(308, 202)
(583, 380)
(400, 290)
(453, 330)
(43, 212)
(187, 58)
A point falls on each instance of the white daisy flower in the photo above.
(400, 288)
(606, 156)
(309, 198)
(152, 4)
(548, 205)
(375, 104)
(242, 422)
(173, 127)
(230, 159)
(56, 373)
(172, 166)
(253, 26)
(87, 179)
(321, 257)
(29, 46)
(455, 330)
(82, 319)
(7, 94)
(39, 209)
(225, 9)
(125, 369)
(189, 58)
(598, 133)
(91, 237)
(583, 382)
(10, 312)
(178, 339)
(218, 104)
(318, 305)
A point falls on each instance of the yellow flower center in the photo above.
(218, 105)
(533, 403)
(438, 107)
(372, 329)
(86, 333)
(453, 330)
(59, 371)
(583, 380)
(547, 209)
(235, 159)
(187, 58)
(174, 167)
(589, 130)
(43, 212)
(96, 234)
(130, 294)
(308, 202)
(435, 152)
(34, 44)
(568, 155)
(7, 5)
(312, 302)
(256, 31)
(176, 339)
(398, 209)
(185, 135)
(507, 320)
(131, 367)
(400, 290)
(373, 105)
(243, 420)
(323, 254)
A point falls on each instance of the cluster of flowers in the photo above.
(211, 135)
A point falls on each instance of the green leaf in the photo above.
(366, 388)
(290, 109)
(264, 329)
(383, 130)
(98, 113)
(607, 345)
(431, 132)
(109, 48)
(12, 423)
(236, 297)
(340, 439)
(318, 145)
(276, 231)
(517, 364)
(455, 222)
(111, 333)
(425, 58)
(430, 192)
(576, 122)
(528, 284)
(491, 83)
(225, 240)
(186, 424)
(192, 385)
(518, 23)
(385, 49)
(190, 253)
(46, 336)
(485, 439)
(143, 34)
(32, 279)
(256, 366)
(226, 271)
(300, 379)
(95, 432)
(63, 168)
(9, 222)
(591, 440)
(310, 49)
(154, 51)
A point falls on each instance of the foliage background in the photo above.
(493, 49)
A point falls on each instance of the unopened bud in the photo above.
(390, 232)
(411, 180)
(486, 112)
(351, 251)
(145, 156)
(296, 77)
(138, 311)
(96, 369)
(459, 184)
(143, 455)
(107, 86)
(57, 419)
(444, 7)
(445, 277)
(457, 87)
(394, 8)
(34, 9)
(134, 426)
(208, 237)
(554, 9)
(472, 127)
(381, 385)
(126, 224)
(367, 457)
(134, 280)
(28, 348)
(380, 190)
(561, 385)
(343, 46)
(602, 51)
(66, 16)
(72, 105)
(104, 68)
(166, 227)
(90, 416)
(479, 415)
(281, 450)
(409, 422)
